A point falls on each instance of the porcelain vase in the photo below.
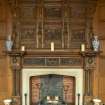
(95, 43)
(9, 43)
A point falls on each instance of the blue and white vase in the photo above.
(95, 43)
(9, 44)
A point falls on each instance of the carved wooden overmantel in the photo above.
(37, 23)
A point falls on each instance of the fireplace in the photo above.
(76, 74)
(52, 88)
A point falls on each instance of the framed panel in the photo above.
(52, 32)
(52, 12)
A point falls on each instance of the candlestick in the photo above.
(96, 101)
(52, 46)
(82, 47)
(7, 101)
(22, 48)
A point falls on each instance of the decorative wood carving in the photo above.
(89, 66)
(16, 64)
(39, 22)
(90, 63)
(52, 62)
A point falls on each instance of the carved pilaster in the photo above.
(16, 65)
(89, 58)
(88, 82)
(16, 82)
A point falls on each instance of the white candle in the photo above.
(82, 47)
(22, 48)
(56, 98)
(52, 46)
(9, 37)
(48, 97)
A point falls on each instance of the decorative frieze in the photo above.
(52, 61)
(34, 61)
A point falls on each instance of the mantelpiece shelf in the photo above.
(40, 52)
(15, 53)
(52, 53)
(90, 53)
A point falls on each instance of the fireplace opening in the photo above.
(41, 74)
(52, 89)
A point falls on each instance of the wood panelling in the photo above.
(38, 23)
(102, 13)
(5, 71)
(2, 46)
(3, 78)
(102, 78)
(4, 20)
(2, 12)
(102, 88)
(99, 17)
(102, 66)
(99, 29)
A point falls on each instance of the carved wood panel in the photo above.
(66, 23)
(52, 62)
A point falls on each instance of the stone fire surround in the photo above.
(77, 73)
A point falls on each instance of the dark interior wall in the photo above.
(5, 70)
